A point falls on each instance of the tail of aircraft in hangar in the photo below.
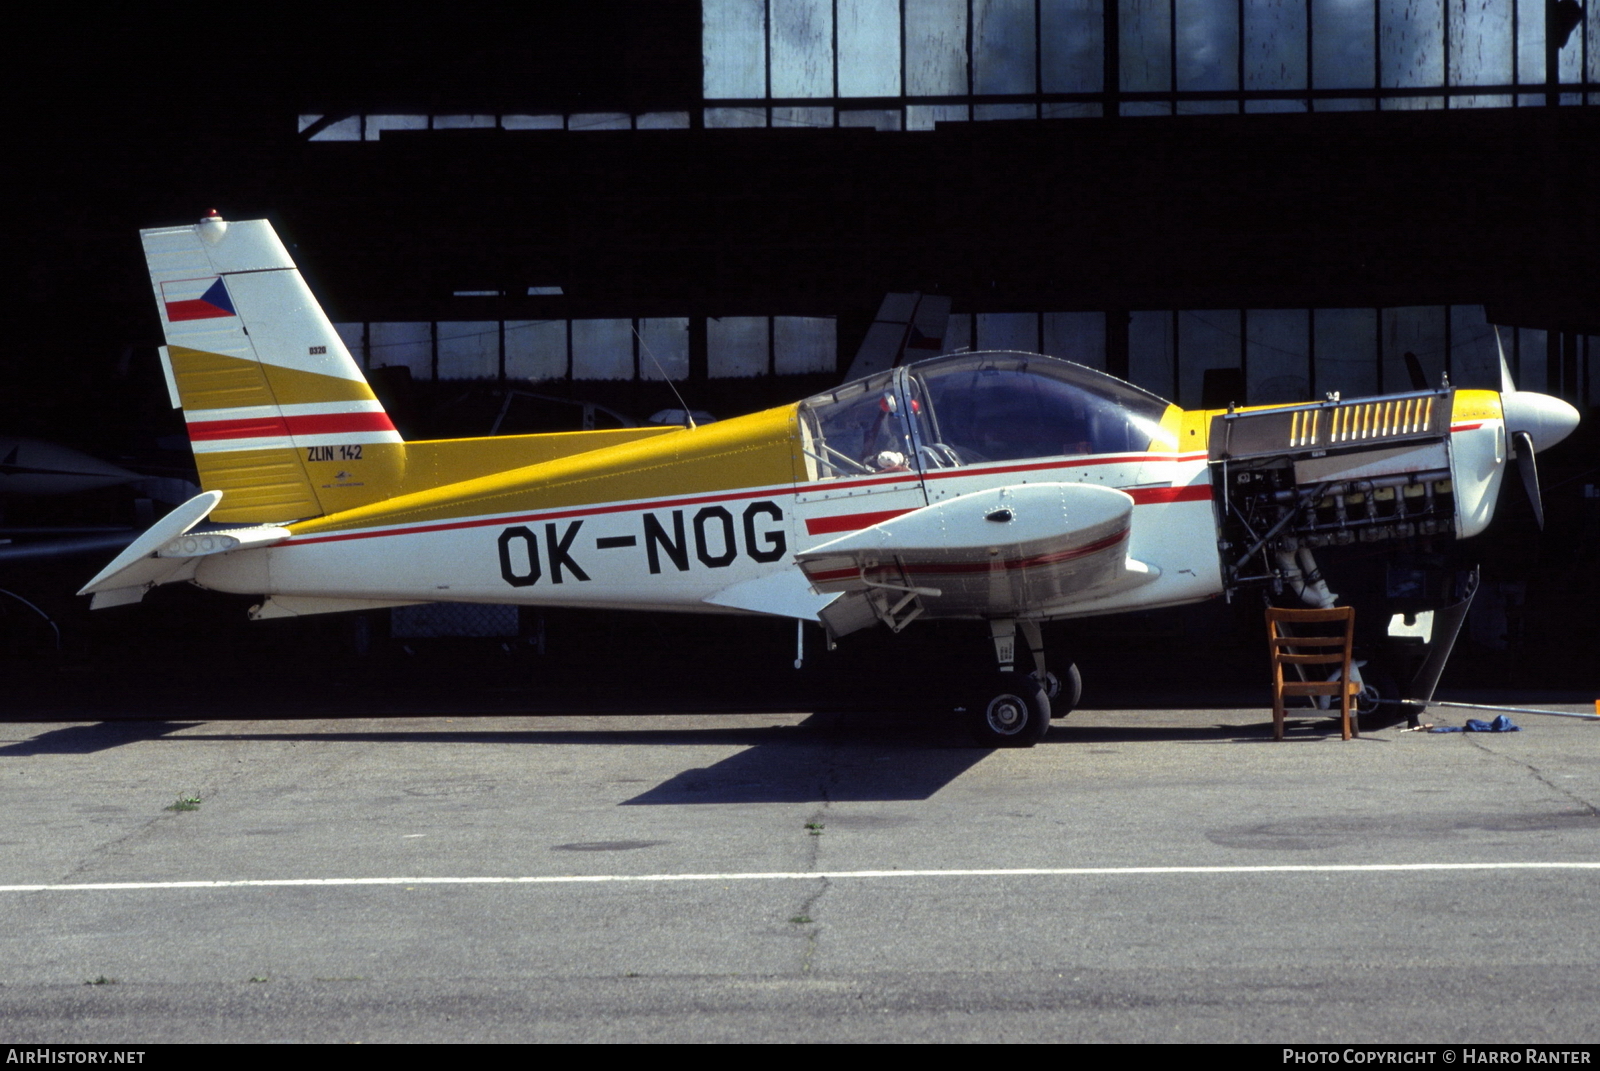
(1004, 488)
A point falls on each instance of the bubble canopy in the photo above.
(973, 408)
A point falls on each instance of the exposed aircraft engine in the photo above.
(1332, 473)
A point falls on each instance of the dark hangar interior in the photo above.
(520, 222)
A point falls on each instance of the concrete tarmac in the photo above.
(1142, 875)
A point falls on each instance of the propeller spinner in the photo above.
(1534, 422)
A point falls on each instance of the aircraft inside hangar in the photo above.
(536, 229)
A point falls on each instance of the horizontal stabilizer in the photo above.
(138, 567)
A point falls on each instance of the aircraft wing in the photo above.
(1008, 551)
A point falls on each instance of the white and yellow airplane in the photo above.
(1003, 487)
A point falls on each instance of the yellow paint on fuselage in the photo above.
(433, 463)
(1476, 405)
(751, 451)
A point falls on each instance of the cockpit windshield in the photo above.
(1004, 406)
(971, 408)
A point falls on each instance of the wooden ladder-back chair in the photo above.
(1294, 650)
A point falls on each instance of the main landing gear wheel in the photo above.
(1063, 692)
(1012, 711)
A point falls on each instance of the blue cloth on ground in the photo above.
(1502, 724)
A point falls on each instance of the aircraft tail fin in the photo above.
(908, 327)
(280, 417)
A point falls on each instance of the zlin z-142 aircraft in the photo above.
(1006, 488)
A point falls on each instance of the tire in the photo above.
(1012, 711)
(1064, 692)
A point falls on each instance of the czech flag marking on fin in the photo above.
(196, 299)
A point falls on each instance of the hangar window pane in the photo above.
(377, 124)
(986, 112)
(1341, 46)
(1570, 58)
(1480, 49)
(1071, 110)
(924, 116)
(806, 117)
(733, 43)
(1008, 331)
(1079, 337)
(1150, 352)
(1072, 46)
(876, 119)
(463, 122)
(1207, 339)
(1591, 27)
(1146, 49)
(1346, 346)
(662, 121)
(804, 344)
(408, 344)
(1591, 354)
(1277, 356)
(536, 350)
(1208, 46)
(348, 129)
(1530, 364)
(802, 48)
(532, 122)
(1411, 42)
(602, 349)
(958, 332)
(1003, 43)
(1416, 329)
(354, 337)
(869, 48)
(1274, 46)
(1261, 106)
(727, 118)
(1530, 42)
(600, 121)
(667, 339)
(469, 349)
(1474, 358)
(936, 48)
(736, 347)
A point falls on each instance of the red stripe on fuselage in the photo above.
(1141, 496)
(850, 522)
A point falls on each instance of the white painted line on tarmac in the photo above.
(802, 875)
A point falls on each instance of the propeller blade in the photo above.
(1414, 369)
(1529, 471)
(1507, 386)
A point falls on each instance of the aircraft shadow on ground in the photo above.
(88, 739)
(828, 758)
